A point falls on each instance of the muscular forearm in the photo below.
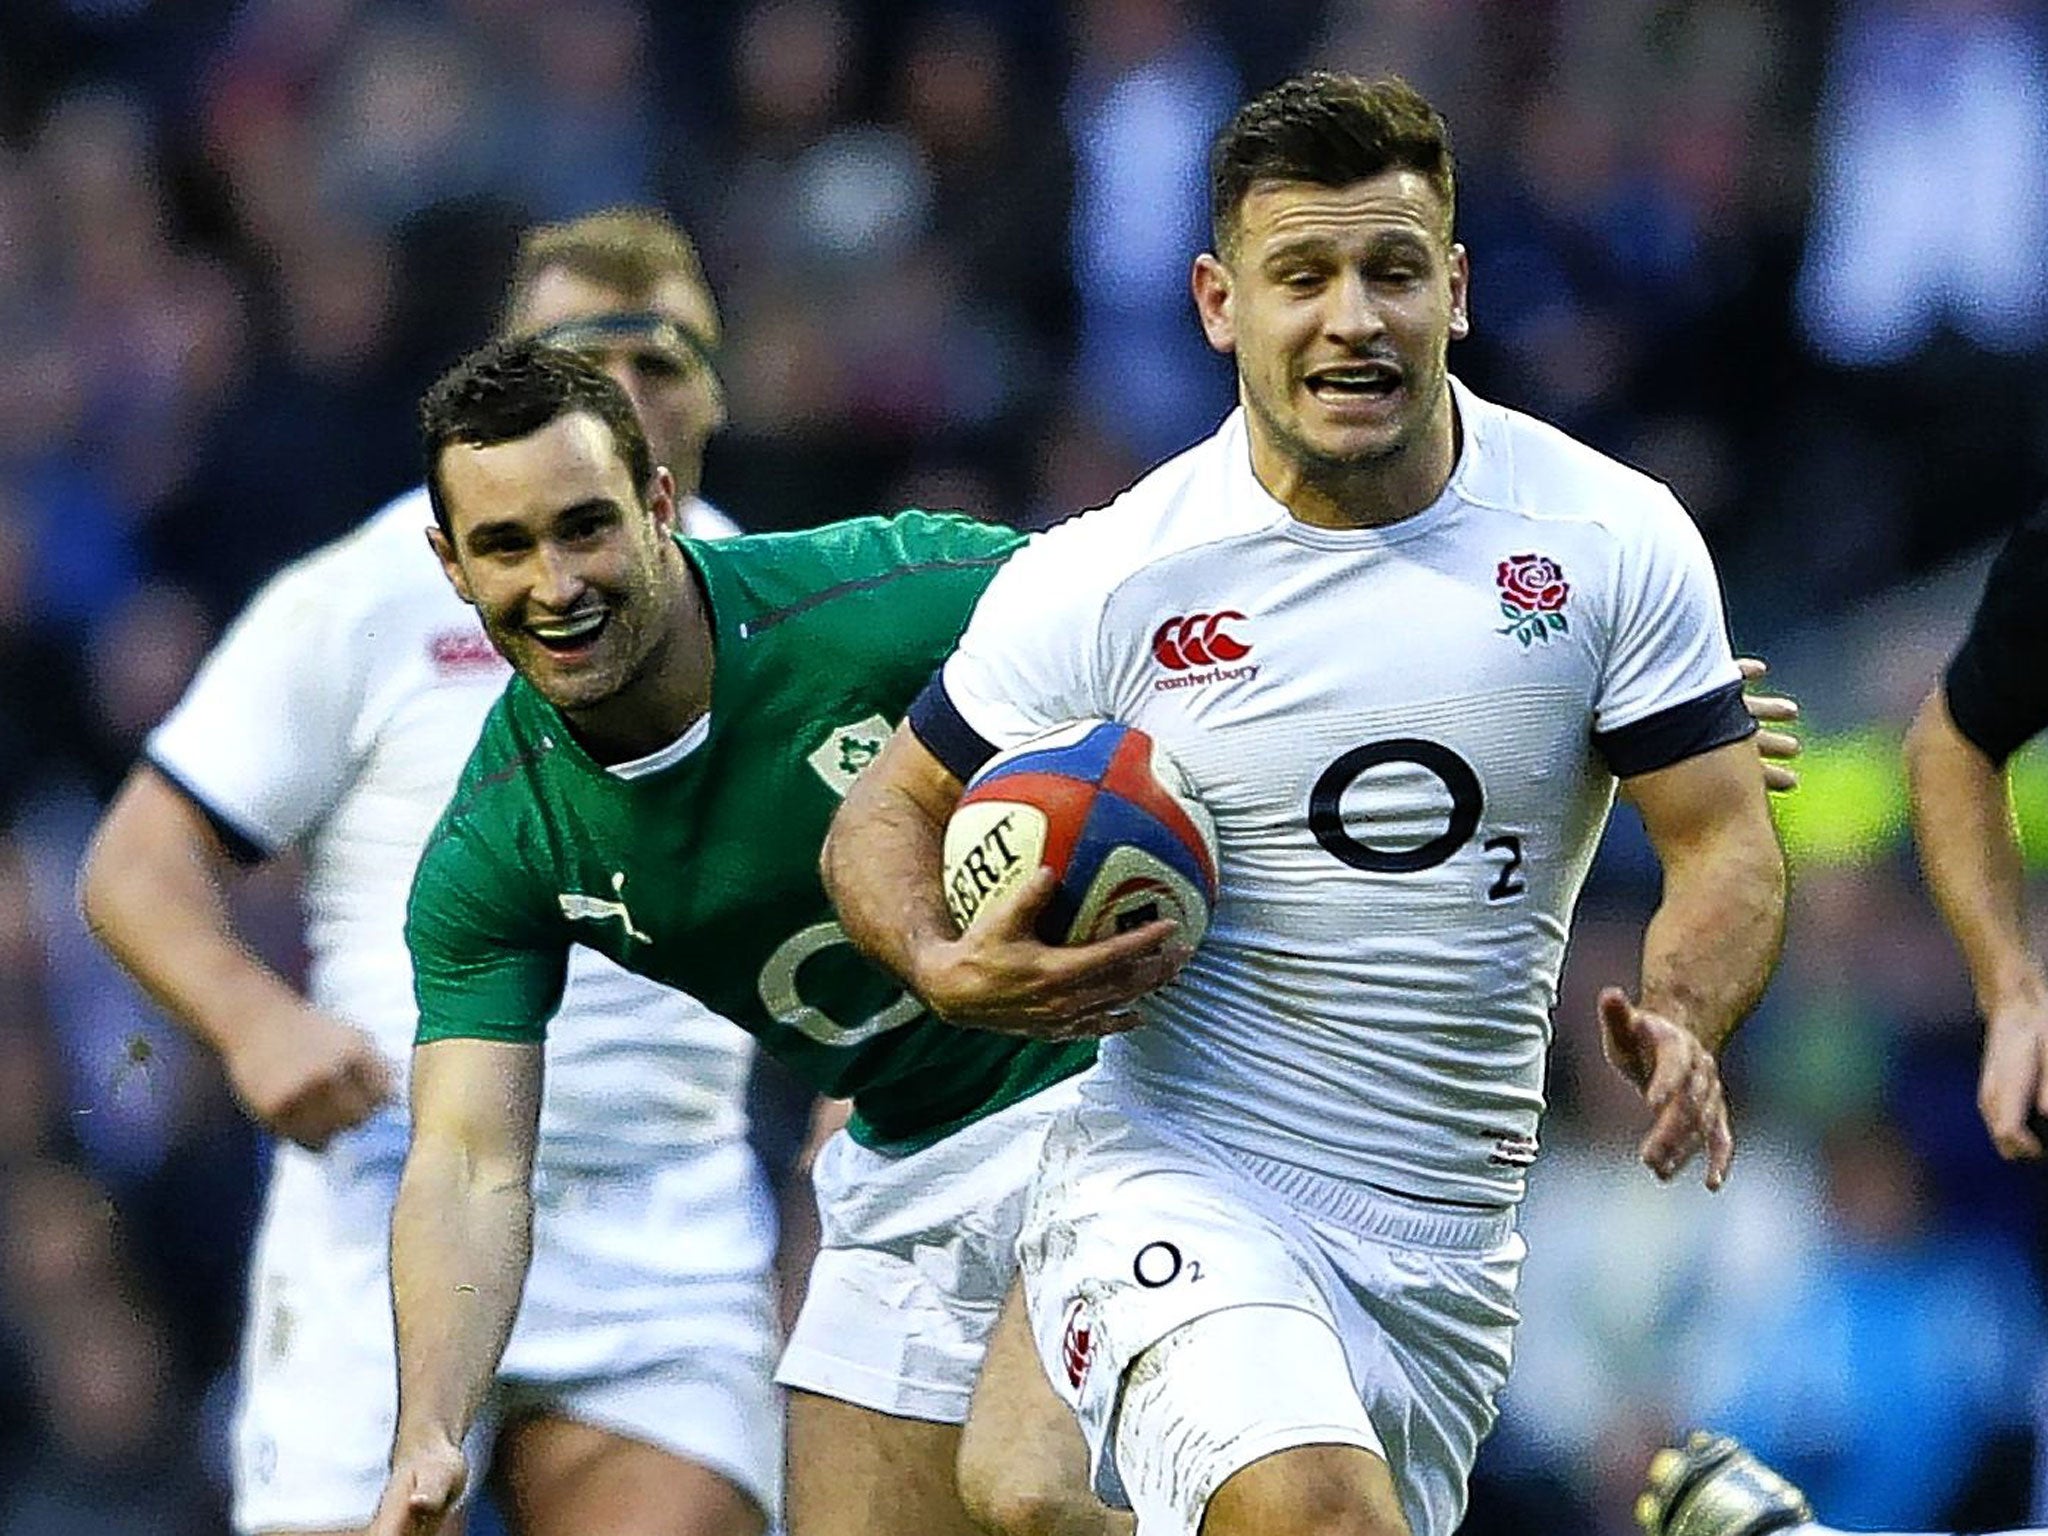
(1969, 849)
(881, 866)
(1712, 943)
(150, 890)
(461, 1238)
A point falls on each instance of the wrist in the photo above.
(426, 1437)
(2019, 989)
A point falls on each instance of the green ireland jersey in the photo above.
(698, 866)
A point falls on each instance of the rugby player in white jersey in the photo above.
(635, 1396)
(1271, 1258)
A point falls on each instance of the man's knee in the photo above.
(1012, 1495)
(1310, 1490)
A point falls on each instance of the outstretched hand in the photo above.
(1679, 1080)
(420, 1493)
(1000, 975)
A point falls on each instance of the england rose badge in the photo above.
(1533, 593)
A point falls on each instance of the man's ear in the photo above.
(661, 500)
(1461, 293)
(444, 551)
(1213, 290)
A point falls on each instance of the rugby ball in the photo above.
(1106, 810)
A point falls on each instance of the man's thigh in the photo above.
(706, 1401)
(1154, 1269)
(917, 1253)
(1023, 1463)
(854, 1471)
(559, 1477)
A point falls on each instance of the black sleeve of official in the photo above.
(1997, 684)
(1672, 735)
(946, 735)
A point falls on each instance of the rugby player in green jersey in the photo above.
(655, 784)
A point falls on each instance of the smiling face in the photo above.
(572, 572)
(1339, 304)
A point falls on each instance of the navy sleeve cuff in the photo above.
(1672, 735)
(945, 734)
(241, 847)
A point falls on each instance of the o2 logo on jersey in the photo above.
(1198, 640)
(1460, 782)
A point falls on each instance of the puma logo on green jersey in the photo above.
(580, 908)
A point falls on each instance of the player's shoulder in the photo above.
(499, 781)
(775, 578)
(1537, 471)
(383, 560)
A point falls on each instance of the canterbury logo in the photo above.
(1198, 640)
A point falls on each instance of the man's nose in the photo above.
(557, 580)
(1351, 316)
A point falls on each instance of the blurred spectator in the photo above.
(1150, 88)
(1876, 1382)
(1923, 286)
(1929, 207)
(110, 1457)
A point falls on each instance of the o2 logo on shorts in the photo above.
(1077, 1343)
(1161, 1263)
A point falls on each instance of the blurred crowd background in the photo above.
(1791, 256)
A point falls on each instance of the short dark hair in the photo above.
(1330, 130)
(506, 390)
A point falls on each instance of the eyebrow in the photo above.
(1385, 242)
(485, 533)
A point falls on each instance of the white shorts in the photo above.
(915, 1255)
(624, 1326)
(1134, 1237)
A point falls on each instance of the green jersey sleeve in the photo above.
(488, 961)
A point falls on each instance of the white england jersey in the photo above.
(1408, 737)
(336, 714)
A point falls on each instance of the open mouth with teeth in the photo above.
(572, 635)
(1354, 381)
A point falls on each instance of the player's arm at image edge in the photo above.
(1969, 847)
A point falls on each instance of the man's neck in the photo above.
(670, 693)
(1371, 494)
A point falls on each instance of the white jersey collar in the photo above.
(665, 757)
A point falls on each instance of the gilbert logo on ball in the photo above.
(1102, 806)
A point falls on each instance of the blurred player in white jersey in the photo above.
(635, 1397)
(1271, 1261)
